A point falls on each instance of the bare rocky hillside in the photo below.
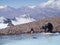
(36, 26)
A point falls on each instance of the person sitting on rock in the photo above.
(48, 27)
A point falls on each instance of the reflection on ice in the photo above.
(33, 39)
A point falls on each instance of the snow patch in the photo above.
(2, 25)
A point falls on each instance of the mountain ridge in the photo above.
(36, 13)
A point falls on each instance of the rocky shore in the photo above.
(35, 26)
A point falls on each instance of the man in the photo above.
(48, 27)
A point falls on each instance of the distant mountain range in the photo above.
(36, 12)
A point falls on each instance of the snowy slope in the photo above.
(2, 25)
(19, 20)
(23, 19)
(40, 39)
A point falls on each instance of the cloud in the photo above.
(1, 7)
(51, 3)
(32, 7)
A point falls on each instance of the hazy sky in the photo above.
(19, 3)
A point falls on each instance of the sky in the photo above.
(20, 3)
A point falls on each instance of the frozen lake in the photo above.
(33, 39)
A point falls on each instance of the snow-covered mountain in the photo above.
(5, 22)
(51, 8)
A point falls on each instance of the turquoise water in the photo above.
(33, 39)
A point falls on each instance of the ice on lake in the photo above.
(31, 39)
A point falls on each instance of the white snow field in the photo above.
(2, 25)
(33, 39)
